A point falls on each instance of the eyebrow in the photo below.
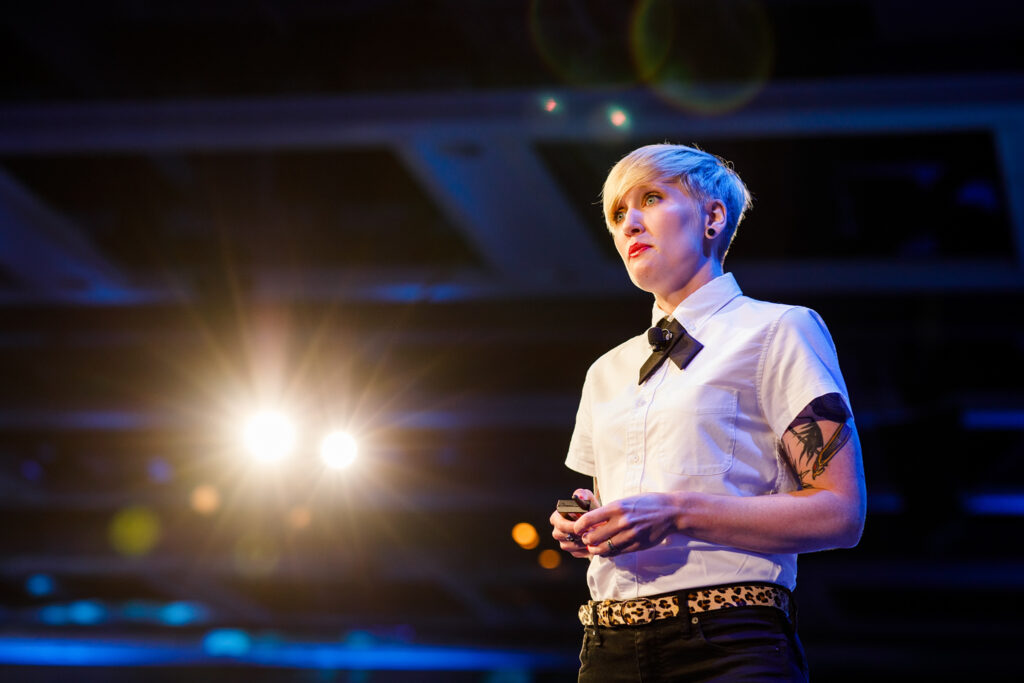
(645, 188)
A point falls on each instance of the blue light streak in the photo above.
(227, 642)
(309, 655)
(86, 612)
(182, 613)
(1005, 504)
(1010, 420)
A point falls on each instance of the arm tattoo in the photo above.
(816, 453)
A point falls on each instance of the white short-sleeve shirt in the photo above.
(715, 427)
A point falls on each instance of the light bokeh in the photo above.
(525, 535)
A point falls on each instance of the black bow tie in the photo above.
(669, 340)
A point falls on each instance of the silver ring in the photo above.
(572, 538)
(611, 546)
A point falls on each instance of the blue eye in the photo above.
(618, 216)
(651, 199)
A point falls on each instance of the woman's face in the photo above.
(658, 230)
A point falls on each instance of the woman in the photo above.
(721, 444)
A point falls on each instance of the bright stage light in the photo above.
(269, 436)
(338, 450)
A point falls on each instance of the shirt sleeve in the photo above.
(800, 365)
(581, 447)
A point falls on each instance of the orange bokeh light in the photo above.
(549, 559)
(205, 499)
(525, 535)
(300, 517)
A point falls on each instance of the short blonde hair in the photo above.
(704, 177)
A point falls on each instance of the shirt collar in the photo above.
(702, 304)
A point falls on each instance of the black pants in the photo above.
(734, 644)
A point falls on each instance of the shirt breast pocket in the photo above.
(695, 428)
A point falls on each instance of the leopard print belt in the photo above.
(645, 610)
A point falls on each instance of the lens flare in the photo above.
(269, 436)
(134, 531)
(338, 450)
(704, 57)
(583, 43)
(205, 499)
(618, 117)
(300, 517)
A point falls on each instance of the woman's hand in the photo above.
(631, 524)
(563, 530)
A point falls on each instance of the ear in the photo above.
(715, 215)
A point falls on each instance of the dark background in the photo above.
(382, 215)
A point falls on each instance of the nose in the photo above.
(633, 223)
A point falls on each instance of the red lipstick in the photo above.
(637, 247)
